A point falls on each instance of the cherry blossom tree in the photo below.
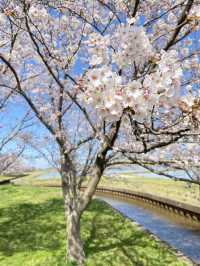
(11, 142)
(106, 79)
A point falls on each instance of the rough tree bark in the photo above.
(74, 245)
(74, 206)
(75, 251)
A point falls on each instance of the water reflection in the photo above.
(178, 231)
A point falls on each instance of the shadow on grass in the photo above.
(108, 238)
(30, 227)
(111, 239)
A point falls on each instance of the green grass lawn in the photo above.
(160, 187)
(32, 233)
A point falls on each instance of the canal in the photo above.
(179, 232)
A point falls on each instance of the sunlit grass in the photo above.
(3, 177)
(33, 178)
(32, 233)
(166, 188)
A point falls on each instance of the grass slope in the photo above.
(166, 188)
(32, 233)
(3, 177)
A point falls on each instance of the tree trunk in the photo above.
(75, 250)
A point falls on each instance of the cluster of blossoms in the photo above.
(102, 88)
(132, 46)
(190, 105)
(165, 81)
(127, 45)
(110, 93)
(97, 49)
(36, 12)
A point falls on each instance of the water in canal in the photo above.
(181, 233)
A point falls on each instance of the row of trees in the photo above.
(110, 81)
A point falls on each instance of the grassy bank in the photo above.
(32, 231)
(167, 188)
(3, 177)
(28, 176)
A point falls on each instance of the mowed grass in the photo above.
(167, 188)
(32, 233)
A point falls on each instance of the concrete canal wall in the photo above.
(189, 211)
